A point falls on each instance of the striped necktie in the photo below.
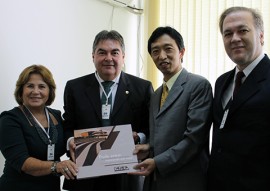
(165, 92)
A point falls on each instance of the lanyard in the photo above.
(40, 125)
(110, 92)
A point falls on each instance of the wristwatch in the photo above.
(53, 168)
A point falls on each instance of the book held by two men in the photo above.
(104, 151)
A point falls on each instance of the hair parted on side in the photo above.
(24, 78)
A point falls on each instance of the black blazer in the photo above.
(82, 107)
(240, 156)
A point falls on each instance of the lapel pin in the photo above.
(127, 92)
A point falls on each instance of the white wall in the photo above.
(59, 35)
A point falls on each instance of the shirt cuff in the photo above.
(69, 139)
(142, 138)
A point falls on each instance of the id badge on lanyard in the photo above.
(106, 110)
(38, 125)
(50, 152)
(225, 115)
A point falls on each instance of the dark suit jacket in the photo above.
(240, 156)
(82, 107)
(179, 134)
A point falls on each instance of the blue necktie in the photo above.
(107, 87)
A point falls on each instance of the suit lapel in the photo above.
(221, 88)
(93, 93)
(123, 92)
(155, 100)
(175, 91)
(252, 84)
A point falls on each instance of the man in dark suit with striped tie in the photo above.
(126, 102)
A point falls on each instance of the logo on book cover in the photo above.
(121, 168)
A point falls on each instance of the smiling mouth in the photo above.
(35, 98)
(108, 65)
(163, 63)
(237, 47)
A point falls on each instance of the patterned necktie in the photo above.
(238, 82)
(107, 87)
(164, 95)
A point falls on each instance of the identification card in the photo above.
(106, 110)
(50, 152)
(224, 119)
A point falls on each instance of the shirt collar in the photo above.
(171, 81)
(115, 80)
(251, 66)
